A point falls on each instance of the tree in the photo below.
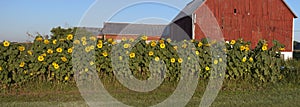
(58, 32)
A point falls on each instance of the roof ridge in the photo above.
(132, 23)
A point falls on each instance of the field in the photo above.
(37, 94)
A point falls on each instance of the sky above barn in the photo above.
(21, 16)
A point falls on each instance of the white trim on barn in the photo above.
(287, 55)
(193, 25)
(293, 35)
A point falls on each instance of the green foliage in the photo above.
(51, 59)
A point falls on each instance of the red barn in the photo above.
(250, 20)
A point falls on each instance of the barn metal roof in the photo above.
(93, 30)
(133, 29)
(189, 9)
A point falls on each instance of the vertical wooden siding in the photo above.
(253, 20)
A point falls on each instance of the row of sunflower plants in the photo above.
(43, 60)
(57, 59)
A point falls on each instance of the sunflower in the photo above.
(93, 38)
(39, 39)
(131, 39)
(200, 44)
(29, 52)
(264, 48)
(56, 66)
(6, 43)
(25, 72)
(244, 59)
(54, 63)
(161, 41)
(232, 42)
(105, 54)
(197, 52)
(87, 49)
(76, 42)
(153, 43)
(120, 58)
(59, 50)
(247, 48)
(99, 45)
(64, 59)
(83, 39)
(156, 58)
(84, 43)
(66, 78)
(92, 47)
(54, 41)
(220, 60)
(251, 59)
(216, 62)
(46, 41)
(169, 40)
(144, 38)
(173, 60)
(207, 68)
(21, 48)
(114, 42)
(49, 51)
(69, 37)
(110, 40)
(132, 55)
(44, 54)
(92, 63)
(22, 64)
(175, 47)
(180, 60)
(281, 49)
(151, 53)
(86, 69)
(41, 58)
(192, 41)
(61, 40)
(126, 45)
(100, 41)
(162, 46)
(124, 39)
(242, 48)
(70, 50)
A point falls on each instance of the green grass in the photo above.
(66, 95)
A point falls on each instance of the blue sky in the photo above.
(21, 16)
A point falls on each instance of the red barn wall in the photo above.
(254, 20)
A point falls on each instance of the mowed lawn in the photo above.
(67, 95)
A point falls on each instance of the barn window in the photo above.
(234, 11)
